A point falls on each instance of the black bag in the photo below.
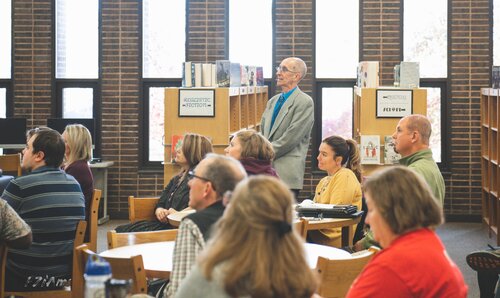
(328, 211)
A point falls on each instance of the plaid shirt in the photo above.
(188, 244)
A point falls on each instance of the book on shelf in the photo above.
(197, 75)
(390, 155)
(223, 72)
(368, 74)
(252, 78)
(244, 75)
(206, 75)
(495, 77)
(213, 76)
(409, 74)
(235, 75)
(259, 73)
(176, 145)
(370, 149)
(187, 74)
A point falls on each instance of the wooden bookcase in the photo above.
(365, 121)
(235, 108)
(489, 159)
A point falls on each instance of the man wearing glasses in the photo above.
(212, 178)
(287, 122)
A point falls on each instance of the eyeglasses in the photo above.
(284, 69)
(191, 175)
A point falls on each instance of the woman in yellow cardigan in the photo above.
(340, 159)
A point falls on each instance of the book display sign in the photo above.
(196, 103)
(393, 103)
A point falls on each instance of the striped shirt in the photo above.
(52, 203)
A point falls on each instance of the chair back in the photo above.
(11, 163)
(93, 219)
(62, 293)
(301, 227)
(337, 276)
(141, 208)
(124, 239)
(121, 268)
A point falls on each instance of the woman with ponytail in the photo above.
(255, 251)
(340, 159)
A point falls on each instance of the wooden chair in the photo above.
(123, 239)
(336, 276)
(62, 293)
(301, 227)
(141, 208)
(11, 163)
(121, 268)
(93, 219)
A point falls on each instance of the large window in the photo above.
(77, 61)
(5, 54)
(425, 38)
(163, 51)
(337, 57)
(250, 23)
(496, 32)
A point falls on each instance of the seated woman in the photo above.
(340, 159)
(76, 160)
(253, 151)
(254, 252)
(175, 196)
(403, 213)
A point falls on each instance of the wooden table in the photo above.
(157, 256)
(347, 225)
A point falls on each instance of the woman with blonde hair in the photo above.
(76, 159)
(403, 214)
(254, 151)
(175, 196)
(340, 159)
(255, 251)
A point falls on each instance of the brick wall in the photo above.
(469, 69)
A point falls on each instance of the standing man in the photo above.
(212, 178)
(411, 140)
(287, 122)
(52, 203)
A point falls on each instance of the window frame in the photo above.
(145, 165)
(9, 105)
(59, 84)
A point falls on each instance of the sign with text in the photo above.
(196, 103)
(393, 103)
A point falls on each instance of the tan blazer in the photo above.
(290, 135)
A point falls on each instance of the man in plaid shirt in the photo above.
(212, 178)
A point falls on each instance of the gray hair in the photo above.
(224, 173)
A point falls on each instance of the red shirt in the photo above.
(414, 265)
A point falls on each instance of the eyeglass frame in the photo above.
(285, 69)
(191, 175)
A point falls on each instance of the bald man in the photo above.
(287, 122)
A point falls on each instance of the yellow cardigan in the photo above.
(341, 188)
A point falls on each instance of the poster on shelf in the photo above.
(176, 145)
(196, 103)
(370, 149)
(390, 155)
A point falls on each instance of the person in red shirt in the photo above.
(403, 214)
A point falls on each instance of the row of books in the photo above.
(223, 73)
(406, 74)
(370, 150)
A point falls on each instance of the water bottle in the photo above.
(97, 272)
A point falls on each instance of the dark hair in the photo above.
(51, 143)
(348, 150)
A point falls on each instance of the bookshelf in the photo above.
(365, 121)
(235, 108)
(489, 159)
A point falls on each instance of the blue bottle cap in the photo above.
(97, 266)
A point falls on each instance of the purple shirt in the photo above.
(81, 171)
